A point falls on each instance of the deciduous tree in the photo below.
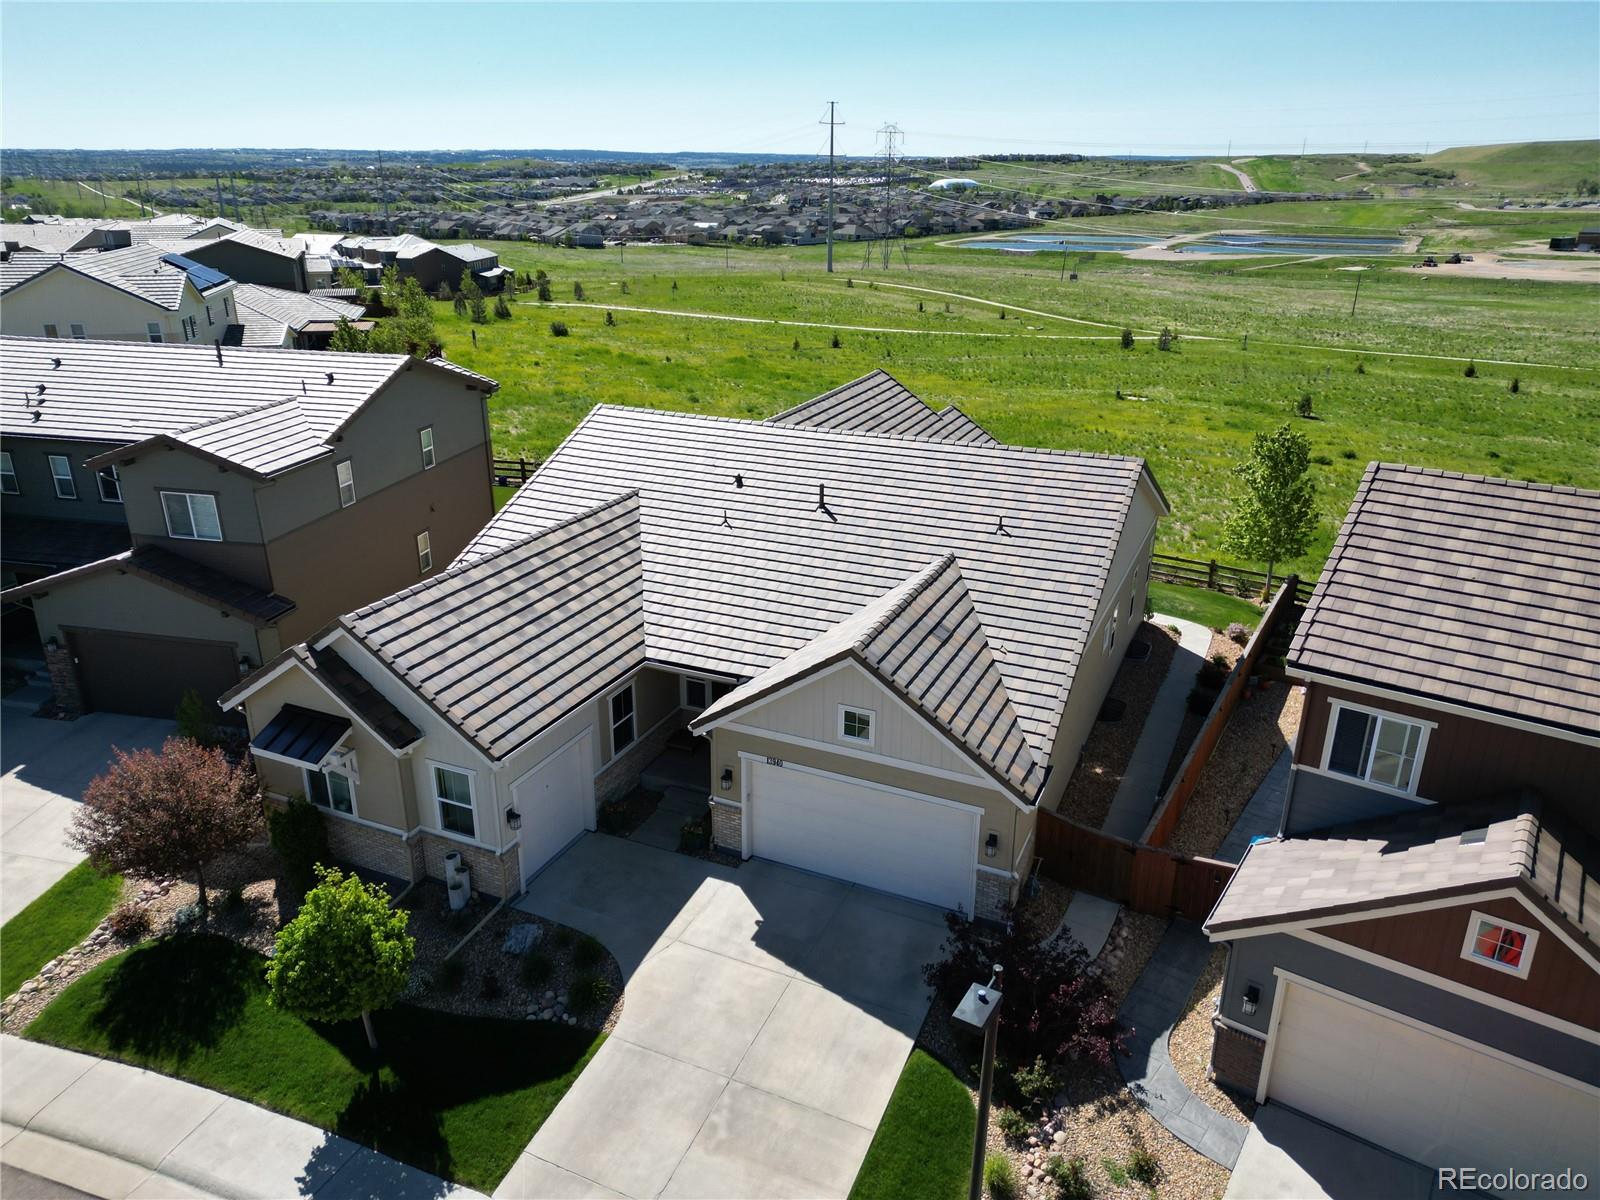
(1276, 512)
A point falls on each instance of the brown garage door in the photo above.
(147, 676)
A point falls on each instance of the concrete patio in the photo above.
(766, 1018)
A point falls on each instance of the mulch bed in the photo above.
(1110, 744)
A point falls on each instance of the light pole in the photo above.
(980, 1010)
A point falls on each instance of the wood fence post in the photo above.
(1211, 575)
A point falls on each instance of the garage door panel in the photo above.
(145, 675)
(556, 801)
(897, 843)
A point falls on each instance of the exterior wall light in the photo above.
(727, 779)
(244, 664)
(1252, 998)
(513, 818)
(991, 845)
(51, 644)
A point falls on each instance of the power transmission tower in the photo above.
(383, 191)
(217, 179)
(890, 134)
(832, 125)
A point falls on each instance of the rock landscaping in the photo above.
(1190, 1045)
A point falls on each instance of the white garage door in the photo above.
(1423, 1096)
(556, 800)
(892, 841)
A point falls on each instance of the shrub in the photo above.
(1237, 633)
(849, 283)
(999, 1177)
(186, 918)
(1322, 460)
(565, 937)
(587, 954)
(1347, 454)
(1201, 699)
(1361, 367)
(449, 975)
(1127, 339)
(130, 922)
(1036, 1084)
(502, 310)
(836, 343)
(1054, 1008)
(1220, 661)
(577, 291)
(1302, 406)
(1142, 1166)
(796, 345)
(1070, 1176)
(543, 290)
(1472, 370)
(300, 840)
(559, 329)
(535, 969)
(1115, 1172)
(611, 318)
(624, 287)
(489, 986)
(1012, 1124)
(588, 992)
(1165, 339)
(233, 899)
(1515, 386)
(194, 719)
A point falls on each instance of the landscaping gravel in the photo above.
(1040, 914)
(1190, 1044)
(1110, 744)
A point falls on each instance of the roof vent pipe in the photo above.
(738, 481)
(1000, 526)
(218, 345)
(330, 376)
(55, 363)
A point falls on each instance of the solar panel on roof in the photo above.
(204, 277)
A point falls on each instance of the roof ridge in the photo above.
(1562, 489)
(914, 584)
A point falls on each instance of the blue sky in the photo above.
(957, 77)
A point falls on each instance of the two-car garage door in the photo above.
(147, 675)
(1426, 1097)
(886, 839)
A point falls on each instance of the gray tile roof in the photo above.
(739, 577)
(1415, 857)
(506, 644)
(262, 410)
(352, 689)
(925, 640)
(268, 314)
(958, 427)
(1475, 591)
(880, 403)
(140, 270)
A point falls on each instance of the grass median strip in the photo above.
(54, 923)
(1214, 610)
(923, 1147)
(457, 1096)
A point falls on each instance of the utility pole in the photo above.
(889, 133)
(1303, 147)
(383, 191)
(217, 179)
(832, 125)
(1357, 296)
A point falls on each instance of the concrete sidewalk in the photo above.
(1140, 789)
(111, 1130)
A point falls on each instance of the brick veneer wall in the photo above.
(64, 680)
(1236, 1057)
(727, 826)
(375, 849)
(621, 775)
(492, 874)
(994, 893)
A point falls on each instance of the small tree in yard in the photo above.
(1276, 514)
(170, 813)
(345, 954)
(502, 310)
(347, 337)
(1127, 339)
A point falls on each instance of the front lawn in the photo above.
(1214, 610)
(54, 923)
(923, 1147)
(457, 1096)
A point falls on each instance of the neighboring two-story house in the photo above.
(252, 256)
(145, 293)
(1416, 958)
(432, 265)
(892, 644)
(255, 494)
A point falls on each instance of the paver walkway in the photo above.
(1262, 816)
(1152, 1008)
(1088, 921)
(767, 1016)
(1140, 789)
(117, 1131)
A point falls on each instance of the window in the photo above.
(622, 724)
(227, 311)
(1111, 632)
(452, 787)
(78, 331)
(696, 693)
(1375, 747)
(331, 789)
(61, 474)
(8, 475)
(347, 483)
(424, 553)
(1500, 944)
(152, 330)
(51, 331)
(427, 448)
(209, 320)
(110, 486)
(855, 724)
(192, 516)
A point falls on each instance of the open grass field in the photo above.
(749, 332)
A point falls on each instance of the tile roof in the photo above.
(269, 314)
(880, 403)
(59, 544)
(328, 667)
(1434, 853)
(192, 579)
(506, 644)
(958, 427)
(925, 640)
(1475, 591)
(744, 566)
(263, 410)
(147, 271)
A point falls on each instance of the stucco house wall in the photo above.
(61, 298)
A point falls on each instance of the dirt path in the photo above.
(1361, 169)
(1248, 184)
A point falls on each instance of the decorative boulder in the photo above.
(520, 939)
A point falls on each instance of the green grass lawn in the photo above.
(456, 1096)
(57, 921)
(923, 1147)
(1214, 610)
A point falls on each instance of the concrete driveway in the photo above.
(767, 1015)
(46, 765)
(1290, 1157)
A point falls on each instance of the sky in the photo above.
(958, 78)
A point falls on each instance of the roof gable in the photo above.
(880, 403)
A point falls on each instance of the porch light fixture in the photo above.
(991, 845)
(51, 644)
(727, 779)
(513, 818)
(244, 664)
(1252, 998)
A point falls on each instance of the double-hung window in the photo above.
(110, 486)
(79, 332)
(192, 516)
(452, 788)
(209, 319)
(8, 475)
(347, 483)
(1375, 747)
(424, 553)
(152, 330)
(51, 331)
(623, 727)
(426, 438)
(61, 476)
(332, 790)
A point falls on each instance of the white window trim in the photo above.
(100, 481)
(56, 480)
(10, 485)
(79, 331)
(350, 782)
(430, 456)
(339, 471)
(1338, 706)
(154, 332)
(1110, 641)
(871, 715)
(1469, 944)
(611, 722)
(472, 792)
(710, 681)
(424, 552)
(195, 537)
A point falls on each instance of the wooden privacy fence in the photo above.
(1219, 577)
(1168, 812)
(1145, 878)
(511, 472)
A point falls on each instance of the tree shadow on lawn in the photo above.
(175, 996)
